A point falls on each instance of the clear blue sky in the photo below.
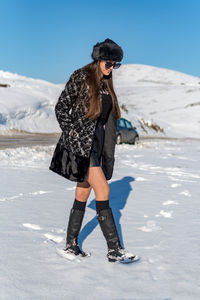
(49, 39)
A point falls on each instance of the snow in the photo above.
(27, 104)
(154, 194)
(159, 96)
(158, 101)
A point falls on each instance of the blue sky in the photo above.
(49, 39)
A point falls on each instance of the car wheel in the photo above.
(136, 140)
(119, 139)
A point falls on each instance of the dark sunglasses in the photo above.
(115, 65)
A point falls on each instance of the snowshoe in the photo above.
(75, 250)
(121, 255)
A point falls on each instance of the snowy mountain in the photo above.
(158, 101)
(27, 104)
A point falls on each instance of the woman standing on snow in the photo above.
(87, 111)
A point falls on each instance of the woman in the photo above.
(87, 111)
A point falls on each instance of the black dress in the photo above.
(98, 142)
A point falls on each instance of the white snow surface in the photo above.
(154, 194)
(147, 95)
(27, 104)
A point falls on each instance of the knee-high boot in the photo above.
(108, 227)
(107, 224)
(73, 229)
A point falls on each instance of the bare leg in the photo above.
(96, 179)
(83, 190)
(98, 182)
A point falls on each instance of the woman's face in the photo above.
(103, 69)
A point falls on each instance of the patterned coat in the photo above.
(72, 153)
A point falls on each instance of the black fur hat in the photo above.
(107, 50)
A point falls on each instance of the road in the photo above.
(33, 139)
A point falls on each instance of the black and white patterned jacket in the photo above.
(78, 132)
(70, 110)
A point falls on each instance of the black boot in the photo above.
(74, 226)
(107, 224)
(108, 227)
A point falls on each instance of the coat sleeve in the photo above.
(65, 103)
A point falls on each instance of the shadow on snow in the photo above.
(119, 192)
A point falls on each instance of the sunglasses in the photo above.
(115, 65)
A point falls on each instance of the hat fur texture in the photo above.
(107, 50)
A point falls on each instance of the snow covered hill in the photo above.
(158, 101)
(27, 104)
(156, 98)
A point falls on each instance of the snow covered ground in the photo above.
(155, 200)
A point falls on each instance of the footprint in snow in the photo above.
(70, 188)
(40, 192)
(21, 194)
(54, 238)
(180, 180)
(165, 214)
(59, 230)
(51, 237)
(185, 193)
(11, 198)
(32, 226)
(174, 185)
(169, 202)
(140, 179)
(150, 226)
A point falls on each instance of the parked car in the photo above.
(126, 133)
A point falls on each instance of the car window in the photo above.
(121, 123)
(128, 124)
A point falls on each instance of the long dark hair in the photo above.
(93, 79)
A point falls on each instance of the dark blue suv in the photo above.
(126, 133)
